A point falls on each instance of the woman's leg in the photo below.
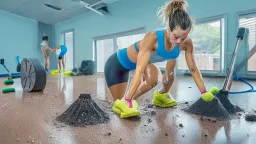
(64, 62)
(60, 65)
(163, 98)
(46, 59)
(150, 80)
(47, 63)
(116, 77)
(117, 91)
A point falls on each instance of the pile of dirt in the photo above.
(84, 111)
(210, 109)
(220, 107)
(223, 98)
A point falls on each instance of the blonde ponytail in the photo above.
(169, 9)
(174, 14)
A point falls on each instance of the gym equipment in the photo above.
(2, 63)
(220, 106)
(84, 111)
(33, 75)
(7, 90)
(56, 72)
(67, 73)
(14, 75)
(8, 82)
(86, 68)
(18, 66)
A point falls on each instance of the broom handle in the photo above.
(228, 79)
(6, 68)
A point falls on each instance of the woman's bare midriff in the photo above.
(132, 53)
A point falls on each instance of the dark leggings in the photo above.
(114, 72)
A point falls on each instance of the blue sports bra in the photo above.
(161, 54)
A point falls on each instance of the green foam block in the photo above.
(7, 90)
(8, 82)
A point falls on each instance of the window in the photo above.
(207, 40)
(68, 41)
(125, 41)
(249, 21)
(105, 46)
(104, 50)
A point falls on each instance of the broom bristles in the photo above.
(223, 97)
(85, 96)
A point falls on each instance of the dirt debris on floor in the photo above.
(209, 109)
(250, 117)
(84, 111)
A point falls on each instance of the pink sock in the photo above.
(202, 92)
(129, 101)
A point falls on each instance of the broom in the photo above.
(84, 111)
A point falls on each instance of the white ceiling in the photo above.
(35, 9)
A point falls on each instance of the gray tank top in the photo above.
(43, 44)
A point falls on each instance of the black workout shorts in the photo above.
(114, 72)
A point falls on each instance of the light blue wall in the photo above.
(18, 37)
(132, 14)
(124, 15)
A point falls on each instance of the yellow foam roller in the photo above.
(55, 72)
(67, 73)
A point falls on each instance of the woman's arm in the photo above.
(58, 47)
(189, 54)
(53, 50)
(47, 48)
(146, 47)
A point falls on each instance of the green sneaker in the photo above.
(126, 111)
(122, 107)
(163, 100)
(118, 103)
(115, 107)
